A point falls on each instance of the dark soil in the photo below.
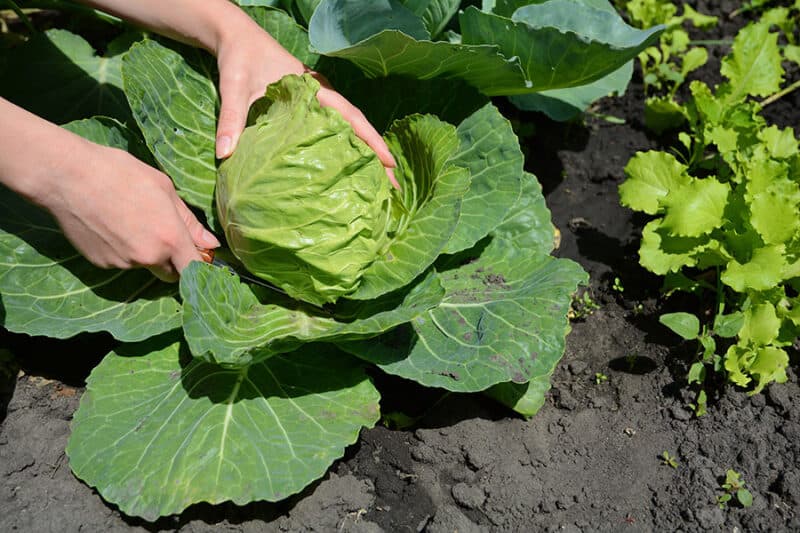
(590, 460)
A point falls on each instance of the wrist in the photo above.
(241, 36)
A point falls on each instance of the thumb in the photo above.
(201, 237)
(232, 117)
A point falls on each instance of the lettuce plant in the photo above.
(728, 213)
(222, 391)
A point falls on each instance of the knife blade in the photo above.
(210, 256)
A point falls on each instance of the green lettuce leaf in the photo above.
(754, 67)
(650, 176)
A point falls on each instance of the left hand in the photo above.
(249, 60)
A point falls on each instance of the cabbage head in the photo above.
(305, 204)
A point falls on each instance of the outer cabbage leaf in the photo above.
(524, 398)
(48, 288)
(432, 192)
(506, 8)
(58, 76)
(436, 13)
(386, 38)
(565, 104)
(559, 43)
(502, 319)
(305, 203)
(489, 149)
(389, 39)
(384, 100)
(109, 132)
(155, 434)
(174, 101)
(225, 323)
(527, 227)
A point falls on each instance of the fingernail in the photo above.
(208, 239)
(223, 147)
(392, 179)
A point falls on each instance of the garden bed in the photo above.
(591, 459)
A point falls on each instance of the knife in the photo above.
(210, 256)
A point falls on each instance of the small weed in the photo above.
(582, 306)
(617, 285)
(734, 486)
(599, 378)
(668, 459)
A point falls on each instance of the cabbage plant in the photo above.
(223, 391)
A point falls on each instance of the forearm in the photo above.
(33, 152)
(208, 24)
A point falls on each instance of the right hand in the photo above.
(121, 213)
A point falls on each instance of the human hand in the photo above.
(248, 61)
(121, 213)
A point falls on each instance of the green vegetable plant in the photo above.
(688, 326)
(668, 459)
(583, 305)
(725, 210)
(220, 390)
(666, 66)
(519, 48)
(617, 286)
(734, 486)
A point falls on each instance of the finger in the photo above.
(201, 237)
(232, 115)
(392, 179)
(185, 254)
(361, 125)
